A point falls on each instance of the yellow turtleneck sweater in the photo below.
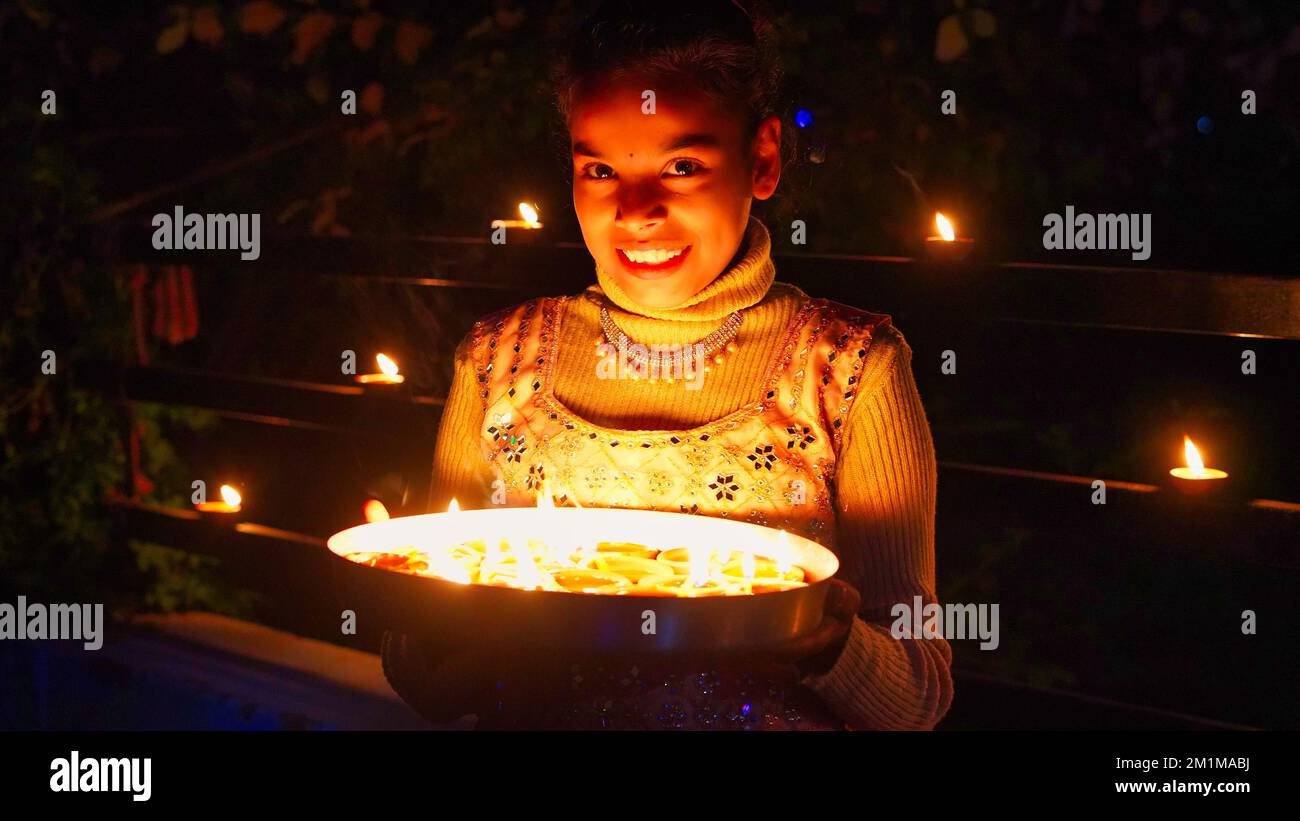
(884, 476)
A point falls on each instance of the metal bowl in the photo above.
(452, 614)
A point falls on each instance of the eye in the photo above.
(683, 168)
(597, 171)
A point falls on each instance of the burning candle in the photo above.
(757, 567)
(686, 587)
(580, 580)
(524, 229)
(635, 568)
(947, 246)
(1196, 478)
(387, 376)
(543, 552)
(684, 560)
(626, 549)
(375, 511)
(224, 511)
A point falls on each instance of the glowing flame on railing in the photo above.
(945, 227)
(1193, 457)
(386, 365)
(375, 511)
(528, 213)
(230, 496)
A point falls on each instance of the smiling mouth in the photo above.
(652, 260)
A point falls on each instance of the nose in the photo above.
(641, 208)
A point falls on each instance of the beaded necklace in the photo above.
(672, 359)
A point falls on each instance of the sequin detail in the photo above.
(659, 697)
(731, 467)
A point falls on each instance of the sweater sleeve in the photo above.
(459, 470)
(885, 507)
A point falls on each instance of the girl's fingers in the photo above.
(842, 599)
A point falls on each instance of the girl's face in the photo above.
(663, 198)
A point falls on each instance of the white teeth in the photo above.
(655, 256)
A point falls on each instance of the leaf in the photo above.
(411, 37)
(173, 37)
(103, 60)
(372, 132)
(372, 98)
(37, 15)
(509, 18)
(292, 210)
(318, 88)
(365, 29)
(309, 34)
(480, 28)
(951, 42)
(260, 17)
(327, 212)
(983, 22)
(207, 26)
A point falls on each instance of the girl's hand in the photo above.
(817, 652)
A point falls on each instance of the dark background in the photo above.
(1110, 107)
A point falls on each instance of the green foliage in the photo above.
(63, 454)
(187, 581)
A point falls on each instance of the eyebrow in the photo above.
(691, 140)
(696, 140)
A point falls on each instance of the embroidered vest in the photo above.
(771, 462)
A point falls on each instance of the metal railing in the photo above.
(1118, 298)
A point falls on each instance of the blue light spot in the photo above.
(803, 118)
(744, 710)
(1205, 125)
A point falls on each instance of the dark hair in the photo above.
(720, 47)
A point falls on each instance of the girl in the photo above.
(812, 422)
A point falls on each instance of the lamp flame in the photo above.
(747, 566)
(454, 507)
(230, 496)
(544, 500)
(1193, 456)
(945, 227)
(388, 366)
(699, 564)
(528, 213)
(783, 563)
(375, 511)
